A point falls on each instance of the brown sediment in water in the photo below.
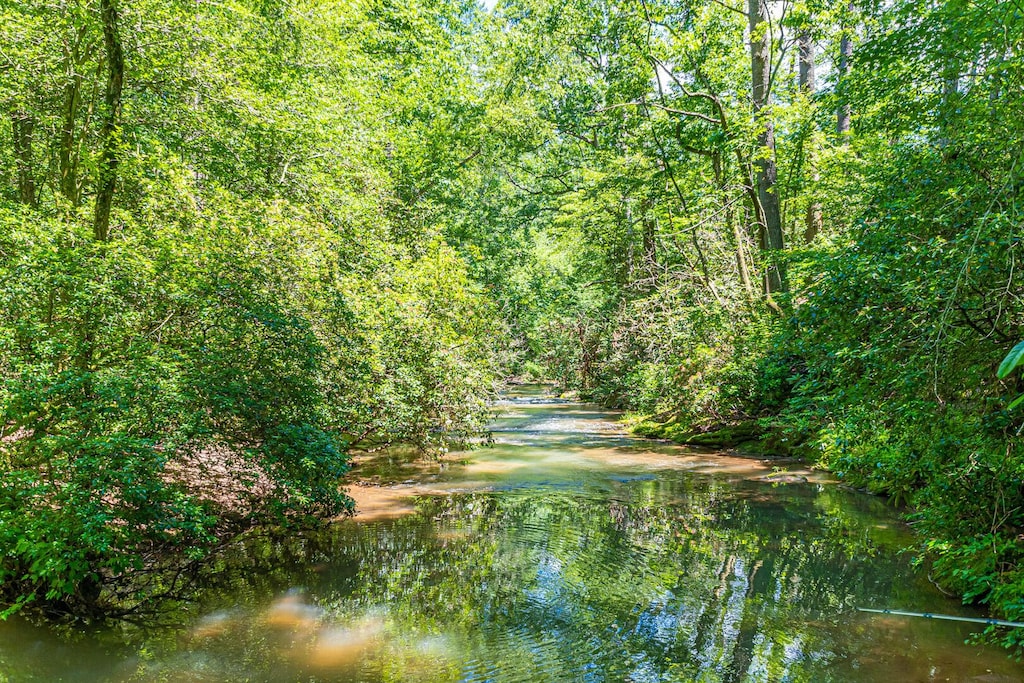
(293, 613)
(300, 632)
(586, 443)
(343, 645)
(383, 502)
(375, 501)
(213, 625)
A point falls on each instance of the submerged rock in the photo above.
(292, 612)
(213, 625)
(781, 478)
(343, 645)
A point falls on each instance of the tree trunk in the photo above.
(812, 224)
(845, 54)
(22, 127)
(628, 204)
(768, 214)
(650, 246)
(732, 225)
(808, 78)
(66, 154)
(110, 135)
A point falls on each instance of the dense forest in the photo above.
(241, 241)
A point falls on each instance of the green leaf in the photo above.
(1015, 402)
(1012, 360)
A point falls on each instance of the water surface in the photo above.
(565, 552)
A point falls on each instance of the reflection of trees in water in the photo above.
(675, 579)
(549, 585)
(678, 578)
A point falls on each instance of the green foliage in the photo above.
(275, 293)
(635, 251)
(1014, 358)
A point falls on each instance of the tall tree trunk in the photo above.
(67, 158)
(67, 155)
(732, 225)
(22, 127)
(845, 54)
(628, 203)
(808, 77)
(769, 213)
(950, 100)
(812, 223)
(650, 246)
(110, 135)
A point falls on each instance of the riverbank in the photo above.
(939, 472)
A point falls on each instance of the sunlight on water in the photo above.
(566, 552)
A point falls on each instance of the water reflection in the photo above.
(585, 558)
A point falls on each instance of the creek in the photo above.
(564, 551)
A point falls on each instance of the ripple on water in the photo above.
(567, 552)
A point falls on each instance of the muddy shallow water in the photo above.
(565, 552)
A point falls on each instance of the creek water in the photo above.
(565, 551)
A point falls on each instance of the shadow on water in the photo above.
(583, 558)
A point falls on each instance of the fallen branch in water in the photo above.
(947, 617)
